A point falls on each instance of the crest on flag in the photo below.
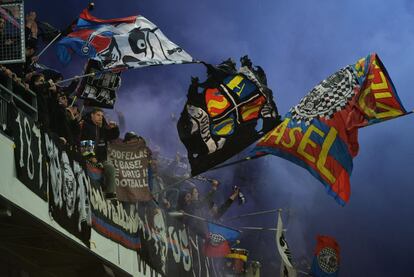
(321, 132)
(128, 42)
(225, 114)
(218, 240)
(326, 260)
(327, 98)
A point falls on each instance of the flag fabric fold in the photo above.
(326, 259)
(321, 132)
(128, 42)
(219, 239)
(225, 114)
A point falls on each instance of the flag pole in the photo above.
(48, 45)
(78, 77)
(304, 272)
(211, 169)
(91, 6)
(250, 214)
(182, 213)
(260, 229)
(235, 162)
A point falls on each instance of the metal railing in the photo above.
(15, 95)
(12, 32)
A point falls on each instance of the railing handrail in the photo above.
(33, 108)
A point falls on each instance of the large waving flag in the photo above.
(286, 268)
(320, 133)
(225, 114)
(128, 42)
(219, 239)
(326, 260)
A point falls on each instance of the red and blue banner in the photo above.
(326, 259)
(321, 132)
(113, 219)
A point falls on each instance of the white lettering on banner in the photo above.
(158, 233)
(201, 117)
(38, 134)
(185, 247)
(27, 133)
(18, 120)
(175, 247)
(194, 246)
(129, 170)
(69, 185)
(84, 207)
(29, 160)
(180, 246)
(55, 171)
(128, 155)
(129, 221)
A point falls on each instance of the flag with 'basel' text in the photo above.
(131, 162)
(321, 132)
(326, 260)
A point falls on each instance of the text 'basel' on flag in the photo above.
(321, 132)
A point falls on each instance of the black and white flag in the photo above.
(283, 248)
(99, 89)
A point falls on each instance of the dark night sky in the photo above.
(298, 43)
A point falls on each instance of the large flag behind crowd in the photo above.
(128, 42)
(321, 132)
(225, 114)
(326, 259)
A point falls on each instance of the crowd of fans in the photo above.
(89, 133)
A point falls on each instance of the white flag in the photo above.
(140, 44)
(282, 245)
(286, 271)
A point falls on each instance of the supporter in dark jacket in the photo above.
(63, 122)
(94, 127)
(44, 91)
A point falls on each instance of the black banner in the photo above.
(225, 114)
(113, 219)
(100, 89)
(29, 153)
(69, 189)
(43, 165)
(168, 246)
